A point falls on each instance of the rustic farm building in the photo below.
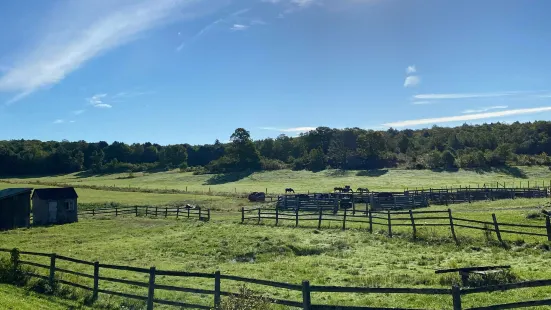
(15, 208)
(54, 206)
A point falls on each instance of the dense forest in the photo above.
(465, 146)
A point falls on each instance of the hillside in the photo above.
(301, 181)
(15, 298)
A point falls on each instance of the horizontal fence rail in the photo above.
(389, 219)
(216, 292)
(177, 212)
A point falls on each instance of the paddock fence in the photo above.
(176, 212)
(388, 220)
(51, 273)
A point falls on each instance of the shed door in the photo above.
(52, 211)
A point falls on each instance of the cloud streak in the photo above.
(497, 107)
(466, 117)
(64, 50)
(465, 95)
(411, 69)
(412, 81)
(294, 129)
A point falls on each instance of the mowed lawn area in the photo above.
(303, 181)
(325, 257)
(93, 197)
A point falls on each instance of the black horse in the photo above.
(289, 190)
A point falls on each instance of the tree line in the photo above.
(466, 146)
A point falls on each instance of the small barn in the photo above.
(15, 208)
(54, 206)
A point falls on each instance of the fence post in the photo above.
(166, 212)
(548, 227)
(187, 212)
(242, 214)
(151, 290)
(136, 209)
(344, 220)
(370, 221)
(496, 226)
(177, 212)
(319, 218)
(217, 289)
(208, 215)
(413, 225)
(156, 209)
(199, 213)
(146, 209)
(52, 270)
(277, 215)
(306, 301)
(456, 295)
(93, 212)
(96, 281)
(259, 216)
(296, 218)
(116, 211)
(452, 227)
(389, 225)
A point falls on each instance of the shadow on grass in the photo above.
(227, 177)
(372, 173)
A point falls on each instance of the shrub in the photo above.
(272, 164)
(11, 271)
(246, 299)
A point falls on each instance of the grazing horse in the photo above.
(188, 206)
(289, 190)
(338, 189)
(363, 190)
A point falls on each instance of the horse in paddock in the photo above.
(338, 189)
(363, 190)
(289, 190)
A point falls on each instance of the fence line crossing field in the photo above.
(325, 255)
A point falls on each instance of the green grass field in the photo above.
(15, 298)
(303, 181)
(326, 257)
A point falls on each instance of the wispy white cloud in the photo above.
(412, 81)
(78, 112)
(72, 121)
(497, 107)
(466, 117)
(103, 106)
(411, 69)
(294, 129)
(230, 18)
(423, 102)
(59, 121)
(239, 27)
(64, 50)
(465, 95)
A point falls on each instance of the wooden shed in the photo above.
(54, 206)
(15, 208)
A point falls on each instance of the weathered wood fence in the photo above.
(389, 219)
(177, 212)
(53, 271)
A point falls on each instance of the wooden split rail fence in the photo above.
(389, 219)
(177, 212)
(306, 290)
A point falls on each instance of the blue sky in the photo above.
(191, 71)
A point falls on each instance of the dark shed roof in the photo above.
(55, 193)
(10, 192)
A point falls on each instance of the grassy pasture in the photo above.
(325, 257)
(15, 298)
(303, 181)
